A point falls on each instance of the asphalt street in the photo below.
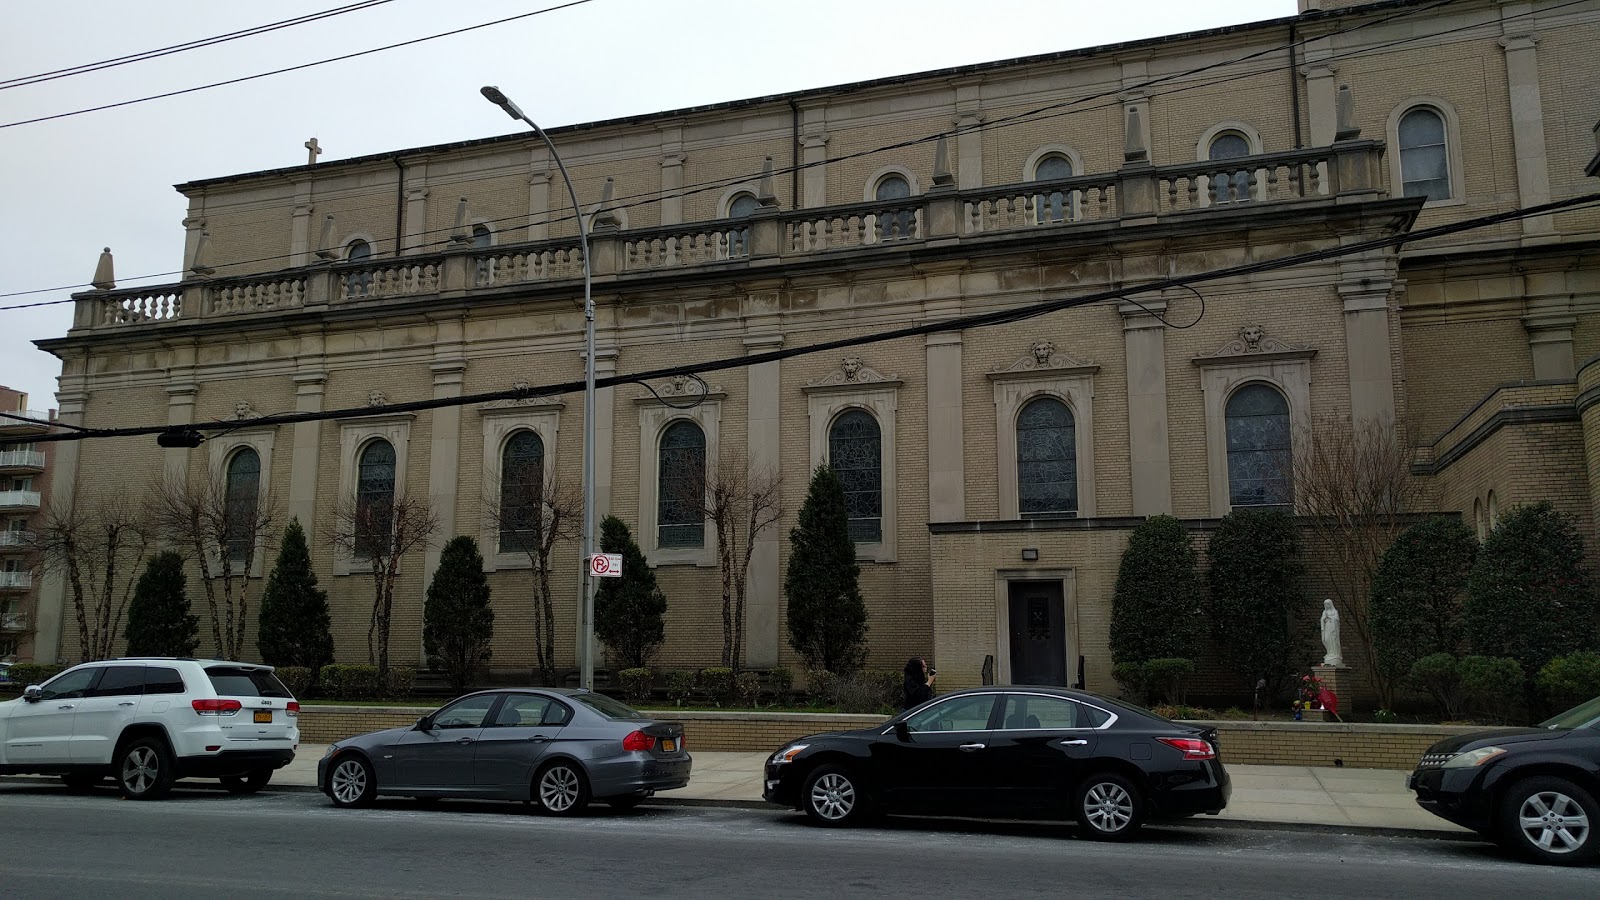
(205, 843)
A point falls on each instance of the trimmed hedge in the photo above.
(1156, 607)
(1494, 686)
(1416, 597)
(636, 684)
(296, 678)
(748, 686)
(25, 674)
(1529, 596)
(1255, 579)
(718, 684)
(360, 682)
(1439, 674)
(1567, 681)
(680, 686)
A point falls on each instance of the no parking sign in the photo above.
(605, 565)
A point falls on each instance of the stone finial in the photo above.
(765, 195)
(197, 265)
(942, 176)
(325, 247)
(459, 234)
(1133, 148)
(1346, 128)
(604, 216)
(104, 277)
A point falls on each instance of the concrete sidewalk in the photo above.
(1340, 798)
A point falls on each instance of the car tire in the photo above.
(351, 782)
(1108, 807)
(623, 804)
(248, 783)
(560, 789)
(1550, 820)
(833, 795)
(144, 769)
(79, 782)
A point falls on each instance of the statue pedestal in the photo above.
(1341, 681)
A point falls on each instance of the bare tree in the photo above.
(1355, 487)
(220, 530)
(379, 534)
(99, 547)
(740, 506)
(529, 515)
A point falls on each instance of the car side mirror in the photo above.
(33, 693)
(425, 723)
(902, 731)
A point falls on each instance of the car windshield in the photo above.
(241, 682)
(1580, 716)
(608, 707)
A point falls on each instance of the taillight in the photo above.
(294, 708)
(217, 707)
(638, 741)
(1191, 748)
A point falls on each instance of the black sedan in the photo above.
(1531, 789)
(1022, 752)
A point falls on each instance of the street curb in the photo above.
(1205, 824)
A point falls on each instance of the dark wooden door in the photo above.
(1038, 633)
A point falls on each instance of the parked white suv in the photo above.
(147, 722)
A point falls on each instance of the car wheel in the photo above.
(623, 804)
(144, 769)
(77, 781)
(833, 795)
(1109, 807)
(1550, 820)
(247, 784)
(352, 783)
(561, 790)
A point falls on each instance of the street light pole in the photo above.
(586, 607)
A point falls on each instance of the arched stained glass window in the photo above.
(1260, 455)
(1052, 207)
(900, 222)
(855, 450)
(743, 207)
(242, 499)
(1229, 187)
(681, 485)
(521, 492)
(375, 481)
(1047, 460)
(1424, 156)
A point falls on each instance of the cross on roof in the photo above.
(316, 151)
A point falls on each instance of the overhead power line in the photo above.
(1060, 108)
(980, 320)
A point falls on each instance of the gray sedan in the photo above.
(557, 748)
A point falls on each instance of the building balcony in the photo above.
(11, 540)
(13, 621)
(1022, 217)
(15, 501)
(26, 421)
(16, 581)
(21, 461)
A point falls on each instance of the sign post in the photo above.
(605, 565)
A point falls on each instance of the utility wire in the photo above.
(85, 68)
(980, 320)
(1027, 117)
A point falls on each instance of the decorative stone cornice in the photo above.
(852, 374)
(1043, 359)
(545, 401)
(1253, 344)
(681, 387)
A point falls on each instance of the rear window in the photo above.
(605, 706)
(231, 682)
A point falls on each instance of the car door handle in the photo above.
(67, 706)
(968, 748)
(464, 740)
(538, 739)
(126, 703)
(1078, 743)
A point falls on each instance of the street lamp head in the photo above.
(501, 100)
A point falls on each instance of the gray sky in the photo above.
(72, 186)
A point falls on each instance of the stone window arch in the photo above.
(1221, 142)
(357, 249)
(893, 186)
(1494, 512)
(855, 451)
(1425, 160)
(1260, 447)
(1047, 459)
(241, 504)
(522, 485)
(681, 486)
(741, 204)
(374, 502)
(1053, 163)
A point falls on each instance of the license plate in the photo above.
(263, 715)
(669, 745)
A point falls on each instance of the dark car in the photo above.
(556, 748)
(1531, 789)
(1016, 752)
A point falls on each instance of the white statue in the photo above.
(1330, 635)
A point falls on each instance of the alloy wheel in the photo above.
(349, 781)
(833, 796)
(558, 789)
(1108, 807)
(1553, 822)
(140, 769)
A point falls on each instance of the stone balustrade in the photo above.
(1136, 195)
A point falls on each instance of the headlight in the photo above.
(787, 754)
(1473, 757)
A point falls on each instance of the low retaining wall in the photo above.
(1248, 743)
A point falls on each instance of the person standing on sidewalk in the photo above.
(919, 683)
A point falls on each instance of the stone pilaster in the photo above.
(193, 225)
(539, 201)
(181, 392)
(605, 405)
(947, 493)
(1527, 128)
(310, 380)
(1365, 286)
(1322, 103)
(671, 176)
(1549, 320)
(1145, 343)
(51, 610)
(762, 628)
(449, 368)
(969, 143)
(814, 155)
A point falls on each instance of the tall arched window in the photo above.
(743, 206)
(900, 223)
(681, 487)
(1047, 460)
(1260, 455)
(1055, 206)
(855, 450)
(521, 492)
(1229, 187)
(242, 497)
(1424, 156)
(482, 240)
(375, 481)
